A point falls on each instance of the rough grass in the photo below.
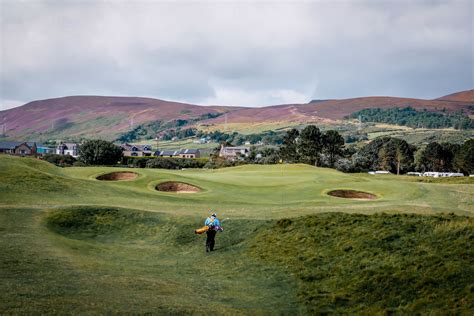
(346, 263)
(106, 260)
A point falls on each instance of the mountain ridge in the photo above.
(108, 116)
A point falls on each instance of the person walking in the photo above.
(214, 225)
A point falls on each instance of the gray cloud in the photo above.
(249, 53)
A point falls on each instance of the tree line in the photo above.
(408, 116)
(311, 146)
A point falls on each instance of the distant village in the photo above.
(129, 150)
(34, 149)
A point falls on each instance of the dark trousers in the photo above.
(210, 240)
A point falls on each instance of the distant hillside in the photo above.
(464, 96)
(94, 116)
(109, 117)
(338, 109)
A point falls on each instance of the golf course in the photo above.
(297, 239)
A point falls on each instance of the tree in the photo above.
(387, 153)
(432, 158)
(449, 153)
(333, 144)
(310, 145)
(464, 159)
(99, 152)
(289, 148)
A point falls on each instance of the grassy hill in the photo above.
(73, 244)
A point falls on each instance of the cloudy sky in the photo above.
(251, 53)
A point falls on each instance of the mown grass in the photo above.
(252, 191)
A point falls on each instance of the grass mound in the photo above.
(352, 194)
(375, 264)
(118, 225)
(117, 176)
(177, 187)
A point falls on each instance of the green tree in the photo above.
(333, 144)
(289, 148)
(387, 153)
(99, 152)
(432, 158)
(464, 158)
(310, 145)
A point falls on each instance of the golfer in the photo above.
(214, 225)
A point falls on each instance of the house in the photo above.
(167, 153)
(70, 149)
(18, 148)
(233, 153)
(203, 140)
(43, 150)
(190, 153)
(183, 153)
(136, 150)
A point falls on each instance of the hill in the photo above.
(463, 96)
(338, 109)
(108, 117)
(88, 116)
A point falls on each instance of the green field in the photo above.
(74, 244)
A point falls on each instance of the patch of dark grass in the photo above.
(349, 263)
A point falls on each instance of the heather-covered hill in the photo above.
(108, 117)
(463, 96)
(87, 116)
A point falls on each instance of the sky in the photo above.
(248, 53)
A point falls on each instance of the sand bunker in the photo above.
(352, 194)
(117, 176)
(177, 187)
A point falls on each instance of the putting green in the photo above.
(252, 191)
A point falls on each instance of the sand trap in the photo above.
(177, 187)
(352, 194)
(117, 176)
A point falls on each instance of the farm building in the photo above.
(136, 150)
(67, 149)
(233, 153)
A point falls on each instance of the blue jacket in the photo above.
(210, 222)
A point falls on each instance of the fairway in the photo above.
(74, 244)
(251, 191)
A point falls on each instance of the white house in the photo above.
(234, 153)
(67, 149)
